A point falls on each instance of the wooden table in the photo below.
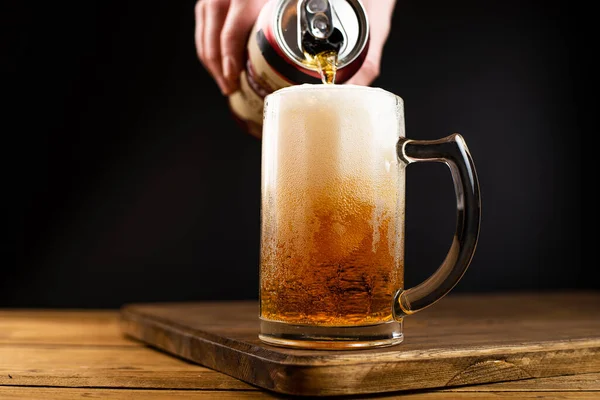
(67, 354)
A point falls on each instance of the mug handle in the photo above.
(451, 150)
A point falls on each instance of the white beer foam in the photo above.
(330, 132)
(333, 147)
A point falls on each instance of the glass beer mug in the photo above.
(332, 217)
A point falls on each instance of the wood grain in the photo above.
(132, 367)
(463, 340)
(14, 393)
(567, 383)
(51, 354)
(146, 368)
(68, 327)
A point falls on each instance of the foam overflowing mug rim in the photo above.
(316, 87)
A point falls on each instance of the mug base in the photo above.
(330, 337)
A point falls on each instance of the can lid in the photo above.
(348, 16)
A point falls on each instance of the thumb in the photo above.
(240, 20)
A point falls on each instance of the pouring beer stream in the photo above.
(320, 40)
(295, 42)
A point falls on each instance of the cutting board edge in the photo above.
(283, 374)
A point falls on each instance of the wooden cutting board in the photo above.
(461, 340)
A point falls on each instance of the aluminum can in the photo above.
(275, 58)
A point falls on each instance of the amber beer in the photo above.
(332, 216)
(334, 159)
(281, 52)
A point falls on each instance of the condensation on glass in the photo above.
(332, 217)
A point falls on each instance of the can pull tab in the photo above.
(318, 19)
(316, 27)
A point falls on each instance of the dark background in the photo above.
(128, 181)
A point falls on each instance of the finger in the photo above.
(380, 11)
(370, 69)
(199, 28)
(214, 18)
(367, 73)
(240, 20)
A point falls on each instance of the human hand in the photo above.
(221, 33)
(222, 28)
(379, 13)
